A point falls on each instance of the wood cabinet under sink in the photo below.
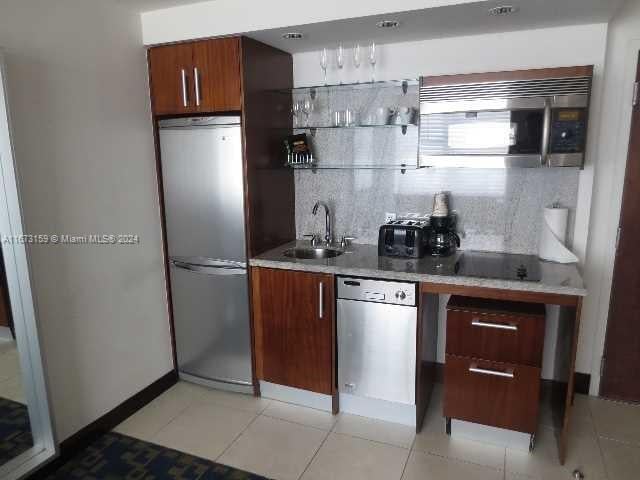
(294, 324)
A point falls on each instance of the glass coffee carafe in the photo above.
(443, 239)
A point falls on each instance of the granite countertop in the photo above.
(363, 260)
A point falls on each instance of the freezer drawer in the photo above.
(377, 350)
(211, 320)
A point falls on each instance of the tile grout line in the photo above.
(156, 432)
(235, 439)
(626, 443)
(153, 436)
(595, 430)
(296, 423)
(374, 441)
(333, 430)
(504, 465)
(406, 462)
(459, 460)
(297, 405)
(196, 400)
(315, 454)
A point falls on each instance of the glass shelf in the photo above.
(319, 166)
(313, 128)
(313, 89)
(381, 125)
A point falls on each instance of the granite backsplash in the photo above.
(498, 210)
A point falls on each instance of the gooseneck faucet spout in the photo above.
(328, 236)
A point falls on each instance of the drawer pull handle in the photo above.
(496, 373)
(499, 326)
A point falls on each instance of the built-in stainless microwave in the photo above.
(529, 118)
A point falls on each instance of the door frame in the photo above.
(620, 156)
(22, 306)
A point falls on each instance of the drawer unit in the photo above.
(491, 393)
(495, 335)
(493, 362)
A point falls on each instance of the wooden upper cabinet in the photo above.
(294, 327)
(196, 77)
(218, 64)
(171, 79)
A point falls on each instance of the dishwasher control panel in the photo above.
(380, 291)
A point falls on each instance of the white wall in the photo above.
(552, 47)
(240, 16)
(622, 58)
(85, 158)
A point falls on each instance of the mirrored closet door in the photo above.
(26, 434)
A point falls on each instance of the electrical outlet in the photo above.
(389, 217)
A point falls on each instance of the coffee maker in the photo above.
(443, 239)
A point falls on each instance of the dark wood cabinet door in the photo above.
(621, 377)
(171, 77)
(497, 394)
(498, 337)
(294, 328)
(218, 75)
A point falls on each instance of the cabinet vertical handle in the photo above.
(196, 82)
(185, 98)
(321, 300)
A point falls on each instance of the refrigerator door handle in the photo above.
(209, 269)
(209, 262)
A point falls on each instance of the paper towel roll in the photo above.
(554, 234)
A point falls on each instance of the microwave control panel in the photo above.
(568, 130)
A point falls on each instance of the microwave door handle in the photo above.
(546, 134)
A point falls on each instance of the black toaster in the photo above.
(403, 238)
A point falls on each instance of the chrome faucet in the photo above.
(328, 235)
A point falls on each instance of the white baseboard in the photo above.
(402, 413)
(296, 396)
(495, 436)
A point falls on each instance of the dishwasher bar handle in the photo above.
(374, 296)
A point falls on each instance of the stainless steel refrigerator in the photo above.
(202, 178)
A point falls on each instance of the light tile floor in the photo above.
(289, 442)
(10, 376)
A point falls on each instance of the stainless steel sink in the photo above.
(312, 252)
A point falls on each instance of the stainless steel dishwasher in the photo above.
(376, 340)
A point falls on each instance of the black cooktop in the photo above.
(503, 266)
